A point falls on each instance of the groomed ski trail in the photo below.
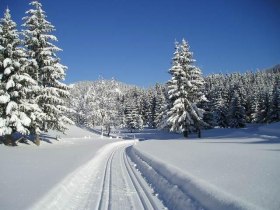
(108, 181)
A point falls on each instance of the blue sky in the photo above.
(133, 40)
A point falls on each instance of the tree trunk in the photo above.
(199, 133)
(109, 130)
(45, 126)
(37, 139)
(186, 134)
(8, 140)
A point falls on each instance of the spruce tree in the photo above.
(264, 108)
(159, 101)
(237, 117)
(274, 114)
(219, 111)
(133, 119)
(184, 90)
(46, 68)
(16, 85)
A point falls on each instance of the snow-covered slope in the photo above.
(228, 169)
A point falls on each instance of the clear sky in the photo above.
(133, 40)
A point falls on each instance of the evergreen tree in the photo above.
(15, 83)
(159, 102)
(264, 104)
(46, 68)
(253, 108)
(133, 118)
(236, 112)
(184, 90)
(274, 114)
(219, 111)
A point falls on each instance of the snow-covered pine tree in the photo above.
(253, 106)
(133, 118)
(237, 117)
(184, 90)
(47, 69)
(219, 110)
(15, 84)
(274, 114)
(159, 103)
(177, 95)
(150, 99)
(264, 108)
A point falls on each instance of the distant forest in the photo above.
(233, 100)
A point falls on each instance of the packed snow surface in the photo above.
(232, 168)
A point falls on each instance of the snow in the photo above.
(8, 70)
(227, 169)
(81, 181)
(4, 99)
(10, 107)
(7, 62)
(28, 172)
(81, 171)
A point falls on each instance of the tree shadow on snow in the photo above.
(152, 134)
(248, 135)
(273, 150)
(47, 138)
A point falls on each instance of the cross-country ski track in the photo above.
(107, 181)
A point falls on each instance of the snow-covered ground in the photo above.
(80, 171)
(28, 171)
(227, 169)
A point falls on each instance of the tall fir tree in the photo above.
(264, 107)
(274, 114)
(184, 90)
(159, 103)
(237, 117)
(219, 111)
(133, 118)
(46, 68)
(16, 84)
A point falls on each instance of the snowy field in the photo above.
(227, 169)
(28, 171)
(80, 171)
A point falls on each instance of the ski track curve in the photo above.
(108, 181)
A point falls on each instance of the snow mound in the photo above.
(184, 190)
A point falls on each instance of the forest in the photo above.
(233, 100)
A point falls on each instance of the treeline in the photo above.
(109, 103)
(236, 99)
(32, 96)
(232, 101)
(255, 94)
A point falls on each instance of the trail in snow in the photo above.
(108, 181)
